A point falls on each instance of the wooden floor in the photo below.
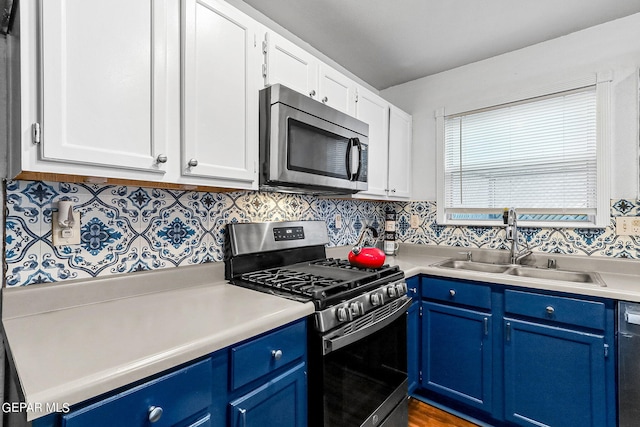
(423, 415)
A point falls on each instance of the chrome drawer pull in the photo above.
(452, 293)
(155, 413)
(550, 310)
(276, 354)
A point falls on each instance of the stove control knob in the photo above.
(401, 289)
(391, 291)
(357, 308)
(376, 299)
(342, 314)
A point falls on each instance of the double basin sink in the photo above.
(590, 278)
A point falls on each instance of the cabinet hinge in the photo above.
(420, 312)
(264, 70)
(606, 350)
(420, 376)
(264, 47)
(356, 96)
(36, 133)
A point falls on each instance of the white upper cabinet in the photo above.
(400, 140)
(104, 83)
(390, 139)
(373, 110)
(336, 90)
(221, 78)
(289, 65)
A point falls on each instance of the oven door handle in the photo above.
(331, 344)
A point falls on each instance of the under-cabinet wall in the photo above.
(569, 241)
(129, 228)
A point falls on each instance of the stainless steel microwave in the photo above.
(306, 146)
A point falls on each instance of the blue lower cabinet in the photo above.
(516, 356)
(280, 402)
(268, 372)
(170, 400)
(457, 354)
(554, 376)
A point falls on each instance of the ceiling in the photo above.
(386, 42)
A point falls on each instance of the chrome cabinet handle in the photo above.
(276, 354)
(393, 190)
(243, 416)
(193, 163)
(312, 93)
(452, 293)
(161, 158)
(324, 100)
(550, 310)
(414, 290)
(155, 413)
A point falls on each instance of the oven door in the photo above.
(365, 370)
(305, 150)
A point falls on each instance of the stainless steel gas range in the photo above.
(357, 346)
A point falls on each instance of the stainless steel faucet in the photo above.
(510, 219)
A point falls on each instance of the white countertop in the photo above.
(621, 276)
(71, 341)
(70, 354)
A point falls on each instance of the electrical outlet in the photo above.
(66, 236)
(338, 221)
(415, 221)
(628, 226)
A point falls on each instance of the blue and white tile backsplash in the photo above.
(570, 241)
(128, 228)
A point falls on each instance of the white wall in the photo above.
(612, 46)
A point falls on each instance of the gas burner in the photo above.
(343, 263)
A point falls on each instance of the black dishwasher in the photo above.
(628, 364)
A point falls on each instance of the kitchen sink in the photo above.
(552, 274)
(524, 271)
(473, 265)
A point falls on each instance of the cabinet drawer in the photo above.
(261, 356)
(590, 314)
(457, 292)
(180, 394)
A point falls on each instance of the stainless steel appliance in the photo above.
(306, 146)
(628, 364)
(357, 346)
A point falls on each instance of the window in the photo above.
(545, 156)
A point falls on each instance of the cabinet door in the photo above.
(553, 376)
(220, 93)
(374, 111)
(104, 82)
(400, 135)
(181, 398)
(290, 65)
(457, 354)
(413, 346)
(336, 90)
(281, 402)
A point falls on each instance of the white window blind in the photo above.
(537, 155)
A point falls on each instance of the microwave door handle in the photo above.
(350, 164)
(357, 174)
(348, 159)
